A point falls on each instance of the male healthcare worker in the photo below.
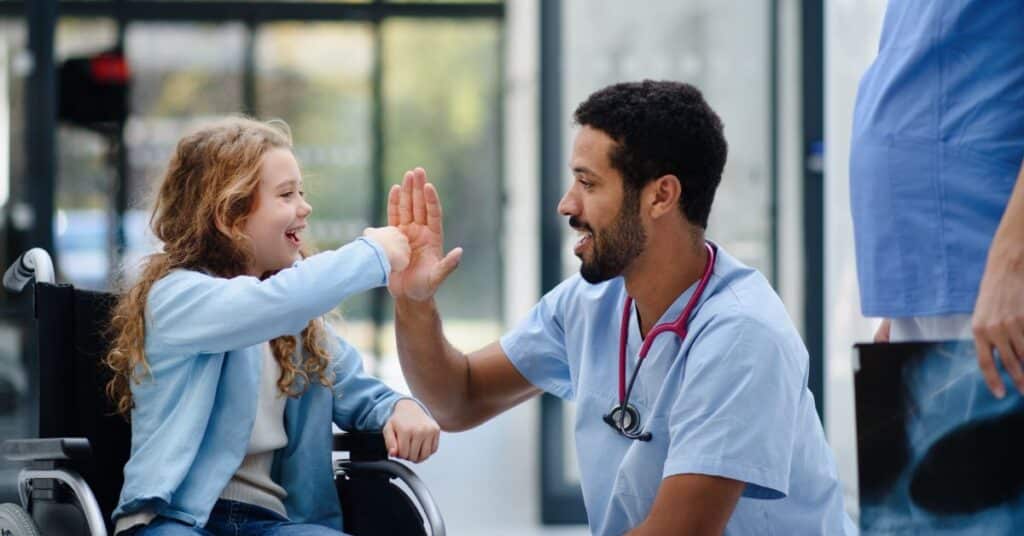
(704, 428)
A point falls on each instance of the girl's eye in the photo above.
(287, 194)
(302, 193)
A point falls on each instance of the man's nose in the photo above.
(568, 205)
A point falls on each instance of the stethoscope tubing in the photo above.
(679, 327)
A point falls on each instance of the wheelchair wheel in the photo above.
(15, 521)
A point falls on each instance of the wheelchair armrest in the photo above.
(49, 459)
(362, 446)
(47, 449)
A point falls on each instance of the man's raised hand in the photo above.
(415, 208)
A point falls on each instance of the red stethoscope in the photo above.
(624, 417)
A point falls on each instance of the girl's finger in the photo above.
(390, 440)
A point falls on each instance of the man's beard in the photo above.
(615, 247)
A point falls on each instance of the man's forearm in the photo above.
(437, 373)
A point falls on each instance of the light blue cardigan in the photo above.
(194, 415)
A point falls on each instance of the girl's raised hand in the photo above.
(394, 243)
(410, 433)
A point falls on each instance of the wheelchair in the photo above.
(74, 471)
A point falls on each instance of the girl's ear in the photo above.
(221, 226)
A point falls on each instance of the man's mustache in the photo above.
(576, 224)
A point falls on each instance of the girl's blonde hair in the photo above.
(205, 197)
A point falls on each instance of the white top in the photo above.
(251, 483)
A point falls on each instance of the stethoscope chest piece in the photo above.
(624, 418)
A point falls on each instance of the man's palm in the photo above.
(416, 209)
(415, 281)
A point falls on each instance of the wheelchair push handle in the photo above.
(33, 264)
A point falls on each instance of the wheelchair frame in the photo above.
(48, 457)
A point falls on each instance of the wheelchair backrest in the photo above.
(72, 401)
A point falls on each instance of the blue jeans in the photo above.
(233, 518)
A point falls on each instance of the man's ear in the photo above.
(664, 193)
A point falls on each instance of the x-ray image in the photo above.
(937, 452)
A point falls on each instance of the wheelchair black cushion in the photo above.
(72, 401)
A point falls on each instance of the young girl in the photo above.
(231, 419)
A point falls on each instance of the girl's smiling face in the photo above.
(275, 225)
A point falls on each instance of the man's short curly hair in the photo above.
(661, 128)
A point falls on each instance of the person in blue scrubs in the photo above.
(936, 179)
(722, 434)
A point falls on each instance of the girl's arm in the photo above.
(362, 402)
(196, 313)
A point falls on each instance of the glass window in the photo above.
(444, 1)
(17, 412)
(318, 78)
(173, 89)
(85, 170)
(15, 69)
(450, 125)
(298, 1)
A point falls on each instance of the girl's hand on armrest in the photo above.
(410, 433)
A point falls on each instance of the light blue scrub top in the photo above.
(730, 400)
(938, 139)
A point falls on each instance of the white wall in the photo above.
(790, 279)
(721, 47)
(852, 29)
